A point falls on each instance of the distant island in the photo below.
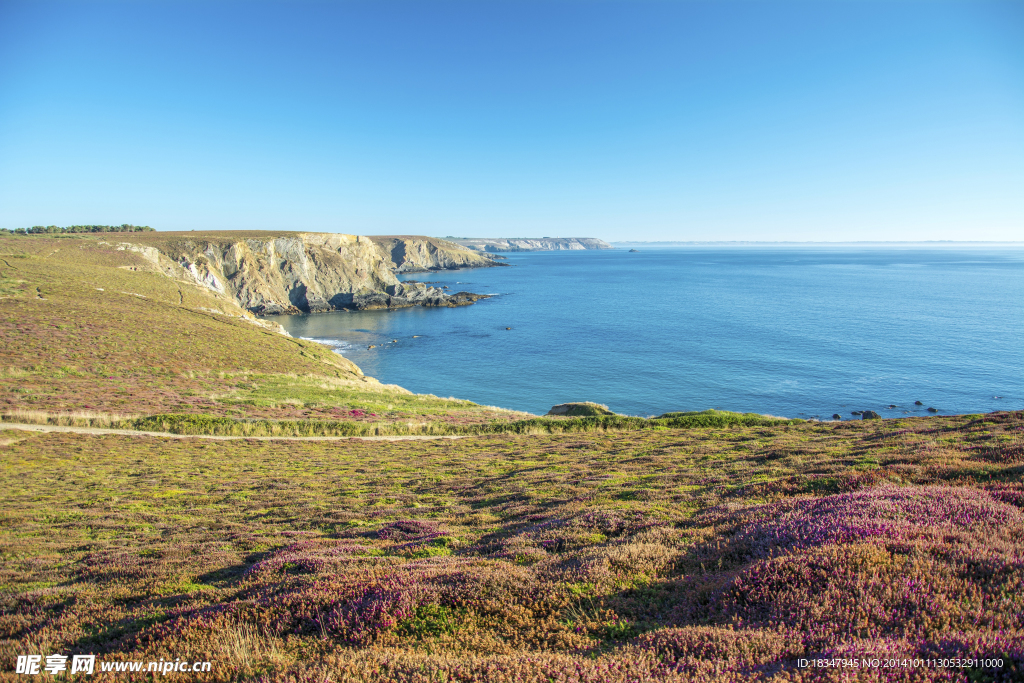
(498, 244)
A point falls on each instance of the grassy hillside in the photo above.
(702, 554)
(90, 329)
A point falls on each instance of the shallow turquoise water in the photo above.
(795, 331)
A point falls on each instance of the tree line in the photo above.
(56, 230)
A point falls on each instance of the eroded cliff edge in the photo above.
(271, 272)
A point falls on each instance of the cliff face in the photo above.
(311, 272)
(533, 244)
(409, 254)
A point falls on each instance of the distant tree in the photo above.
(57, 230)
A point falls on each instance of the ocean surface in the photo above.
(796, 331)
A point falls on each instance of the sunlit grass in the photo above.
(661, 553)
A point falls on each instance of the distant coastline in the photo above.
(864, 243)
(510, 244)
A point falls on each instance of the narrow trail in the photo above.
(168, 435)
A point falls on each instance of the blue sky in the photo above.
(633, 120)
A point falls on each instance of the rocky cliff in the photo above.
(270, 273)
(532, 244)
(410, 254)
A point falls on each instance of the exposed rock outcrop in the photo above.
(269, 273)
(412, 254)
(532, 244)
(584, 409)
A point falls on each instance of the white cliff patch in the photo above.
(151, 254)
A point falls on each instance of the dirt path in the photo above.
(168, 435)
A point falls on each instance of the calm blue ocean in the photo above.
(798, 331)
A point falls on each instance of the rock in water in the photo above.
(918, 403)
(933, 410)
(856, 412)
(837, 416)
(585, 409)
(870, 415)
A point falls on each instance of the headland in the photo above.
(503, 244)
(306, 272)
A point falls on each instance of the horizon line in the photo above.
(816, 242)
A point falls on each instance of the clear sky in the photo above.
(660, 120)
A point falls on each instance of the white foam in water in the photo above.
(338, 346)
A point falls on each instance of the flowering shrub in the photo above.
(309, 557)
(886, 512)
(663, 556)
(720, 648)
(377, 609)
(409, 529)
(889, 562)
(1008, 493)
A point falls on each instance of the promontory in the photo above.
(499, 244)
(306, 272)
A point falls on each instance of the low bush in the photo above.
(718, 418)
(698, 420)
(202, 424)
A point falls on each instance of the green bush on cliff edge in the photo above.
(688, 420)
(718, 418)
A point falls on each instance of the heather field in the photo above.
(703, 554)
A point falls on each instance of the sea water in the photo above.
(797, 331)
